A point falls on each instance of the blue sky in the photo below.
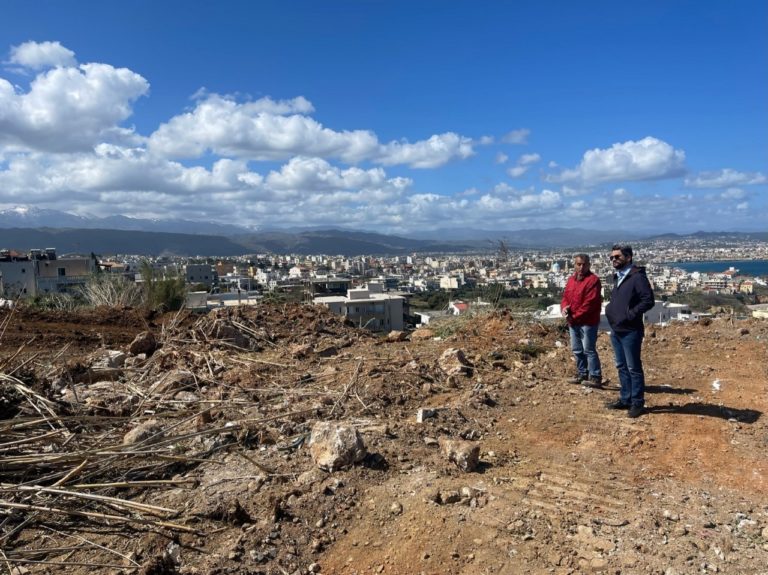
(392, 116)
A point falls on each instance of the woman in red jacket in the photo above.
(581, 304)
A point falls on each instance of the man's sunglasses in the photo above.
(615, 257)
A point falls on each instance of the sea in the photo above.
(751, 268)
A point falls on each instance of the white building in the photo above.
(368, 307)
(18, 278)
(42, 272)
(661, 312)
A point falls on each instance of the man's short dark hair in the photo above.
(583, 257)
(625, 249)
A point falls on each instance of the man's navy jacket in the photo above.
(629, 301)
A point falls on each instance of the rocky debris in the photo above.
(453, 362)
(422, 334)
(564, 486)
(144, 343)
(327, 351)
(108, 359)
(11, 399)
(148, 432)
(395, 336)
(173, 381)
(299, 350)
(334, 445)
(465, 454)
(425, 413)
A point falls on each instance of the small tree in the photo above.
(166, 294)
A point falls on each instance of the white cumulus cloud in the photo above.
(40, 55)
(646, 159)
(69, 108)
(436, 151)
(268, 130)
(725, 178)
(316, 174)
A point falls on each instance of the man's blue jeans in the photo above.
(584, 348)
(626, 348)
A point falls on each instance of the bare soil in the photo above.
(228, 399)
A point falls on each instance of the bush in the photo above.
(168, 294)
(112, 291)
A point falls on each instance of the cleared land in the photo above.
(194, 459)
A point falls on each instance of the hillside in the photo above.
(195, 459)
(85, 241)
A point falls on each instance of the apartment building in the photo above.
(42, 272)
(200, 274)
(62, 275)
(369, 307)
(17, 275)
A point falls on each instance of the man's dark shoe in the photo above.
(577, 379)
(636, 411)
(595, 381)
(617, 405)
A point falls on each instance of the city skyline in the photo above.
(390, 116)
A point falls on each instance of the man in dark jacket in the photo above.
(631, 297)
(581, 305)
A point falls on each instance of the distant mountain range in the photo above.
(336, 242)
(31, 217)
(26, 228)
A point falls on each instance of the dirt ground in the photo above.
(189, 454)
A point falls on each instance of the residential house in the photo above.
(200, 274)
(369, 307)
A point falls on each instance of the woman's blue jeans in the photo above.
(626, 348)
(584, 348)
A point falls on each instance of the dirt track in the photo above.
(563, 486)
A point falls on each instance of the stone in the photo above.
(231, 335)
(465, 454)
(454, 362)
(299, 350)
(144, 431)
(335, 445)
(396, 508)
(425, 413)
(144, 342)
(394, 336)
(109, 359)
(328, 351)
(422, 333)
(450, 497)
(173, 380)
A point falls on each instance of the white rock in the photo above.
(453, 362)
(465, 454)
(335, 445)
(425, 413)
